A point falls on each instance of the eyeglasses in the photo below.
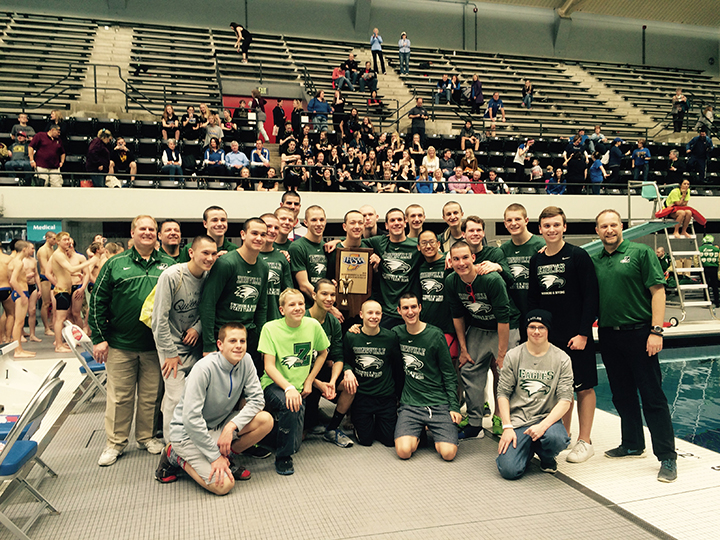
(426, 243)
(471, 293)
(537, 328)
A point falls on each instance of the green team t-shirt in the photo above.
(432, 283)
(709, 255)
(285, 246)
(333, 331)
(518, 258)
(488, 305)
(293, 348)
(235, 291)
(496, 255)
(310, 257)
(624, 280)
(184, 255)
(399, 264)
(279, 279)
(430, 377)
(373, 359)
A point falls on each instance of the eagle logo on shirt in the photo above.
(291, 361)
(519, 271)
(551, 281)
(247, 292)
(412, 363)
(396, 267)
(534, 387)
(161, 266)
(273, 277)
(478, 307)
(431, 285)
(368, 361)
(320, 268)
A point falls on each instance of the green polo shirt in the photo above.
(624, 279)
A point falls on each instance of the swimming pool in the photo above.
(691, 382)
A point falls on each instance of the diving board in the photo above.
(638, 231)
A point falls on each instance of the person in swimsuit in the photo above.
(80, 280)
(33, 281)
(20, 294)
(61, 269)
(8, 316)
(43, 256)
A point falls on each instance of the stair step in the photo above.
(688, 270)
(685, 253)
(691, 237)
(699, 303)
(693, 287)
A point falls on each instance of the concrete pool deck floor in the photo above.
(367, 492)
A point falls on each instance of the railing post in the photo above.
(95, 82)
(260, 71)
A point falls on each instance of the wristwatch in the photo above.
(657, 330)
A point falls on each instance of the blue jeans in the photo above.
(438, 93)
(320, 123)
(173, 171)
(98, 180)
(527, 100)
(404, 62)
(371, 84)
(289, 424)
(514, 461)
(342, 81)
(20, 166)
(637, 172)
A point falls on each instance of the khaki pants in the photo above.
(128, 372)
(52, 177)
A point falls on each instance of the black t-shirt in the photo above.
(122, 160)
(173, 118)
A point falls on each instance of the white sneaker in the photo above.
(154, 446)
(109, 456)
(582, 451)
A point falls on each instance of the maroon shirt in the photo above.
(48, 151)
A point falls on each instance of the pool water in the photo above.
(692, 387)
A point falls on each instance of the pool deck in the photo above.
(365, 492)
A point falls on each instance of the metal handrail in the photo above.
(308, 83)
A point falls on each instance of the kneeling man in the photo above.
(206, 430)
(534, 392)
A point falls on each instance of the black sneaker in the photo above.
(284, 466)
(257, 452)
(668, 471)
(622, 452)
(549, 467)
(166, 471)
(471, 432)
(239, 472)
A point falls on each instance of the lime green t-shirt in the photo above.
(294, 349)
(676, 196)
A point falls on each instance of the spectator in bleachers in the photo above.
(213, 130)
(375, 103)
(352, 124)
(575, 145)
(576, 172)
(20, 157)
(675, 168)
(597, 141)
(244, 39)
(97, 162)
(352, 70)
(47, 156)
(368, 77)
(376, 49)
(397, 146)
(359, 146)
(245, 183)
(469, 162)
(172, 161)
(699, 149)
(468, 135)
(339, 80)
(320, 109)
(56, 118)
(495, 107)
(240, 114)
(291, 156)
(22, 125)
(229, 128)
(334, 160)
(406, 160)
(204, 115)
(615, 160)
(455, 89)
(536, 172)
(214, 159)
(417, 152)
(257, 104)
(305, 150)
(191, 125)
(170, 123)
(339, 115)
(287, 135)
(418, 114)
(431, 161)
(438, 181)
(555, 185)
(443, 89)
(323, 145)
(477, 186)
(296, 115)
(388, 184)
(527, 94)
(706, 119)
(597, 173)
(405, 181)
(495, 184)
(368, 132)
(641, 161)
(270, 182)
(679, 106)
(368, 176)
(521, 156)
(278, 119)
(122, 159)
(236, 160)
(259, 160)
(476, 94)
(447, 163)
(404, 54)
(459, 183)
